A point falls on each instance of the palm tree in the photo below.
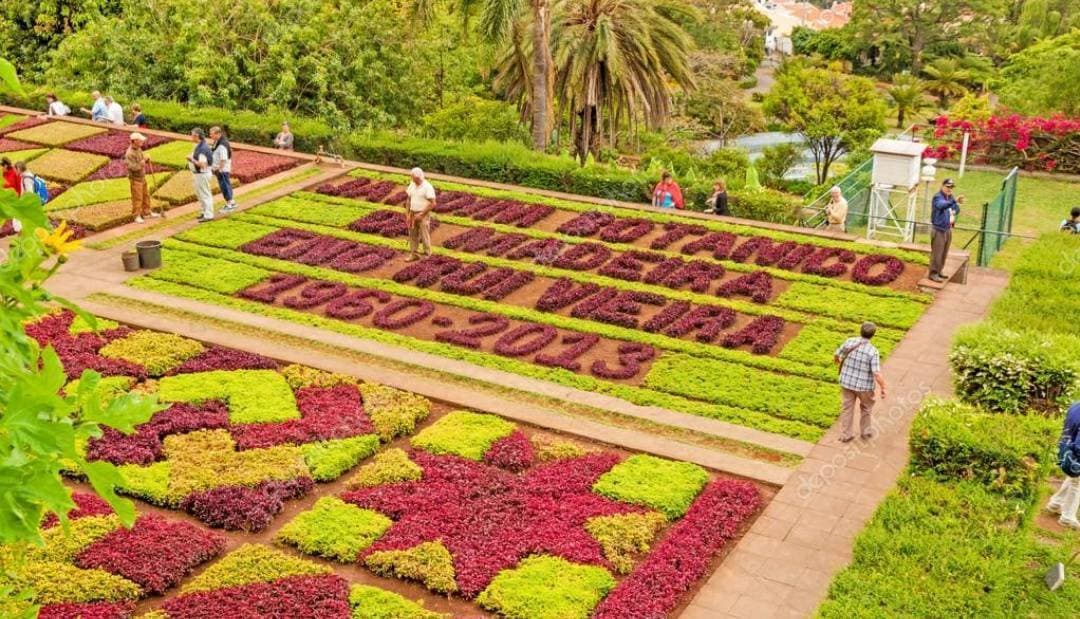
(906, 93)
(619, 59)
(947, 79)
(503, 21)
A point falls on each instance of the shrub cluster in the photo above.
(664, 485)
(334, 529)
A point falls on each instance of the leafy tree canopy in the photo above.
(1045, 78)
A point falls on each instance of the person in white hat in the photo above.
(136, 163)
(836, 211)
(418, 216)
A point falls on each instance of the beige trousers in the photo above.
(850, 399)
(140, 198)
(420, 234)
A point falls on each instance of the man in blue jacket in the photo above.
(1067, 499)
(943, 208)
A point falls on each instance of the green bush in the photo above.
(334, 529)
(474, 118)
(664, 485)
(63, 544)
(374, 603)
(327, 460)
(464, 434)
(1005, 371)
(217, 275)
(543, 587)
(253, 396)
(945, 550)
(624, 536)
(1044, 292)
(429, 563)
(57, 583)
(157, 352)
(1007, 454)
(389, 467)
(252, 563)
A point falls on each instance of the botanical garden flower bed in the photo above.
(461, 510)
(698, 316)
(85, 162)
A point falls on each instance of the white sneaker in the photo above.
(138, 220)
(1053, 509)
(155, 215)
(1069, 523)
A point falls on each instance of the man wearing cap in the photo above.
(944, 208)
(199, 164)
(418, 217)
(135, 161)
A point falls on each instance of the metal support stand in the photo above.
(892, 213)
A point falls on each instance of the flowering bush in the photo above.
(155, 553)
(657, 586)
(1030, 142)
(113, 144)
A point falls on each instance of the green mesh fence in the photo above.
(855, 187)
(997, 219)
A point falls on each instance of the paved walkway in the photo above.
(783, 566)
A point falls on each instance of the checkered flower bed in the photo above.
(241, 435)
(67, 166)
(53, 133)
(94, 567)
(114, 143)
(250, 166)
(8, 145)
(117, 168)
(478, 509)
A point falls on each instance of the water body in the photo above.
(755, 144)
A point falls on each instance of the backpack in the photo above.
(41, 189)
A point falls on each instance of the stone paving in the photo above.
(784, 564)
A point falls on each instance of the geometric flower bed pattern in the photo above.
(90, 169)
(694, 315)
(472, 505)
(241, 435)
(97, 568)
(474, 510)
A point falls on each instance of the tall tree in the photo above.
(617, 58)
(907, 94)
(29, 31)
(1045, 78)
(834, 112)
(945, 78)
(908, 28)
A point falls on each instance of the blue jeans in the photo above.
(225, 184)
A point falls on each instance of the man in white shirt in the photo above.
(418, 216)
(116, 112)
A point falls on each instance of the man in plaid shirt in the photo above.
(860, 368)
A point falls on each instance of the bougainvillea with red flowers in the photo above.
(323, 596)
(490, 519)
(155, 553)
(244, 508)
(513, 452)
(891, 268)
(1007, 140)
(659, 584)
(114, 144)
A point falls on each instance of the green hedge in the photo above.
(1010, 372)
(1008, 454)
(507, 162)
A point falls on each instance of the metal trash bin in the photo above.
(149, 254)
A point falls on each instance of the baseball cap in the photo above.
(948, 183)
(138, 136)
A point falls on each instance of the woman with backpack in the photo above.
(11, 176)
(1066, 500)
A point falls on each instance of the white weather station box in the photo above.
(897, 170)
(897, 163)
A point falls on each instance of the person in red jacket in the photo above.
(11, 176)
(667, 194)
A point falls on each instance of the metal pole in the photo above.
(964, 152)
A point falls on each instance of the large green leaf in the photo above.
(9, 78)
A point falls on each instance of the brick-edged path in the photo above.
(783, 566)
